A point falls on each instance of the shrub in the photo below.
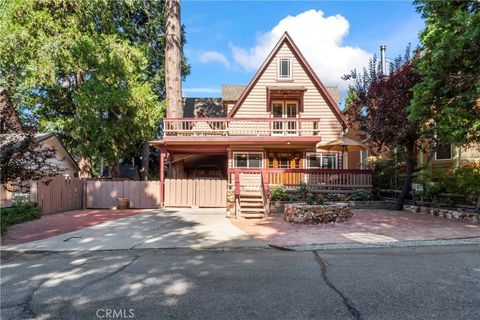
(303, 191)
(332, 197)
(467, 180)
(360, 195)
(21, 211)
(278, 193)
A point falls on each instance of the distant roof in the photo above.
(211, 107)
(233, 92)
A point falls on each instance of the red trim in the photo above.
(242, 119)
(277, 170)
(162, 175)
(231, 139)
(286, 38)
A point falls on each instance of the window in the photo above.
(363, 159)
(444, 152)
(247, 160)
(284, 68)
(321, 160)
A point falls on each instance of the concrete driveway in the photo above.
(158, 228)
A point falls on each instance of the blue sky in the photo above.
(227, 40)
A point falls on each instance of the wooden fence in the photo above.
(104, 194)
(200, 192)
(57, 194)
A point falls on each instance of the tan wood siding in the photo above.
(315, 106)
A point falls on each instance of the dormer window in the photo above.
(284, 68)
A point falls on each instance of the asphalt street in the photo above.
(387, 283)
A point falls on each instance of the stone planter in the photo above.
(315, 214)
(278, 207)
(465, 216)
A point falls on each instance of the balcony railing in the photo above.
(317, 179)
(241, 127)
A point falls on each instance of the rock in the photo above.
(314, 214)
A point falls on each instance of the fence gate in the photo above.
(201, 192)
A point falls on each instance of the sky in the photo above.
(228, 40)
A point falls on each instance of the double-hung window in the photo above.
(247, 160)
(284, 68)
(321, 161)
(444, 152)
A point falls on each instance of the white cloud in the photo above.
(214, 56)
(319, 38)
(201, 90)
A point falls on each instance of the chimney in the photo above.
(383, 59)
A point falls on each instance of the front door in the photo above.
(286, 111)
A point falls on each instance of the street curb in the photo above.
(393, 244)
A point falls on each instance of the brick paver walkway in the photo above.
(367, 226)
(58, 223)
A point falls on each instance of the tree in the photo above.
(173, 60)
(381, 102)
(447, 100)
(22, 157)
(90, 71)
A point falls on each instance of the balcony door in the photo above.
(286, 111)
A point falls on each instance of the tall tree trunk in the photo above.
(173, 42)
(411, 162)
(145, 161)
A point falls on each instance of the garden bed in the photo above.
(315, 214)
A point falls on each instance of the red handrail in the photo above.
(299, 170)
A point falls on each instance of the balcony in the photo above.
(235, 127)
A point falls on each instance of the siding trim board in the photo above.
(286, 39)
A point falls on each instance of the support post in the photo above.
(170, 168)
(162, 176)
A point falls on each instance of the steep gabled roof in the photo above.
(318, 84)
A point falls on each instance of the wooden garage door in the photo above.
(200, 192)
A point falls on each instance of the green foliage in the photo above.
(90, 71)
(20, 212)
(467, 181)
(303, 192)
(447, 98)
(277, 193)
(360, 195)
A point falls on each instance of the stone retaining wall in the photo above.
(467, 216)
(314, 214)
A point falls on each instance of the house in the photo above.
(445, 159)
(12, 135)
(258, 135)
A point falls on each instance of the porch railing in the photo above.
(315, 178)
(241, 126)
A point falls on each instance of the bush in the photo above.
(467, 181)
(20, 212)
(360, 195)
(278, 193)
(303, 191)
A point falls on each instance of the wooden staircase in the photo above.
(251, 200)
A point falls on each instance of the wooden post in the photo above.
(162, 176)
(170, 169)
